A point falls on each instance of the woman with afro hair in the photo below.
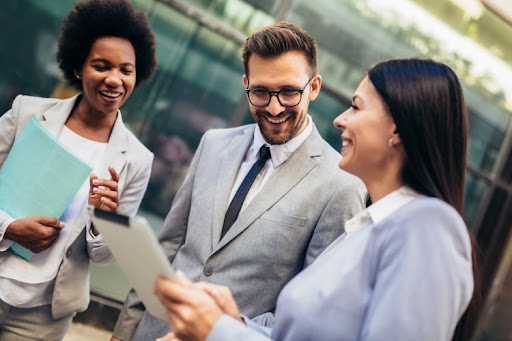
(106, 49)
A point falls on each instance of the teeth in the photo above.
(110, 94)
(277, 121)
(345, 143)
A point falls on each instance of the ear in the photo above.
(316, 84)
(396, 139)
(245, 80)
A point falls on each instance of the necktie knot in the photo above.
(264, 153)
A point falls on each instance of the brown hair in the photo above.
(274, 40)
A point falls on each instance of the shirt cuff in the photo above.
(5, 244)
(223, 326)
(227, 328)
(90, 235)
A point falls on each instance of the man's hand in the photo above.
(103, 193)
(34, 233)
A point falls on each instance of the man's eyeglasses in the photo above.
(286, 97)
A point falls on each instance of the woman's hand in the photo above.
(34, 233)
(192, 311)
(168, 337)
(223, 297)
(103, 193)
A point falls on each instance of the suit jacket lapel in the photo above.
(231, 158)
(289, 174)
(54, 119)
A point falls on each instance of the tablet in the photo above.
(137, 251)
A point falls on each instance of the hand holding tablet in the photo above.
(137, 251)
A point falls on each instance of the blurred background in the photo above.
(198, 86)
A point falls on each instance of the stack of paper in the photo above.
(40, 177)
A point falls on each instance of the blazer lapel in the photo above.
(54, 119)
(231, 158)
(289, 174)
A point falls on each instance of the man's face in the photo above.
(279, 124)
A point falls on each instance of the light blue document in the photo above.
(40, 177)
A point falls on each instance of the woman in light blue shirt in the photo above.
(403, 270)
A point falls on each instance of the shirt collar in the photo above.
(280, 152)
(390, 203)
(382, 208)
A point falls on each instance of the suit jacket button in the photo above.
(68, 253)
(208, 271)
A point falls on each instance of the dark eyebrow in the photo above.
(283, 87)
(109, 63)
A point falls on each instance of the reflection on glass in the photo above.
(488, 127)
(476, 190)
(323, 111)
(506, 174)
(495, 322)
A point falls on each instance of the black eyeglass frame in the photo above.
(270, 93)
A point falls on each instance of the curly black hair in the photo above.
(92, 19)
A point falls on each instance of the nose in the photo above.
(274, 107)
(113, 79)
(340, 122)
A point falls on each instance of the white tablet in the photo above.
(137, 251)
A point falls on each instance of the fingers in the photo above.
(92, 177)
(34, 233)
(169, 290)
(182, 278)
(104, 184)
(168, 337)
(51, 222)
(113, 174)
(103, 193)
(223, 298)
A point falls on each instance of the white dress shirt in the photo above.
(279, 154)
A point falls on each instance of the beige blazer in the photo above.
(300, 211)
(129, 157)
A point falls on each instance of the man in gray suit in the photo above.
(297, 204)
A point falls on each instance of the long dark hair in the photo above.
(427, 103)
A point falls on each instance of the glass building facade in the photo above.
(198, 86)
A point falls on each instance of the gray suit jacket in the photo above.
(301, 209)
(124, 152)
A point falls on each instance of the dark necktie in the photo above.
(241, 193)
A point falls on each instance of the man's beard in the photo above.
(274, 137)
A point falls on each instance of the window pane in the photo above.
(476, 191)
(357, 34)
